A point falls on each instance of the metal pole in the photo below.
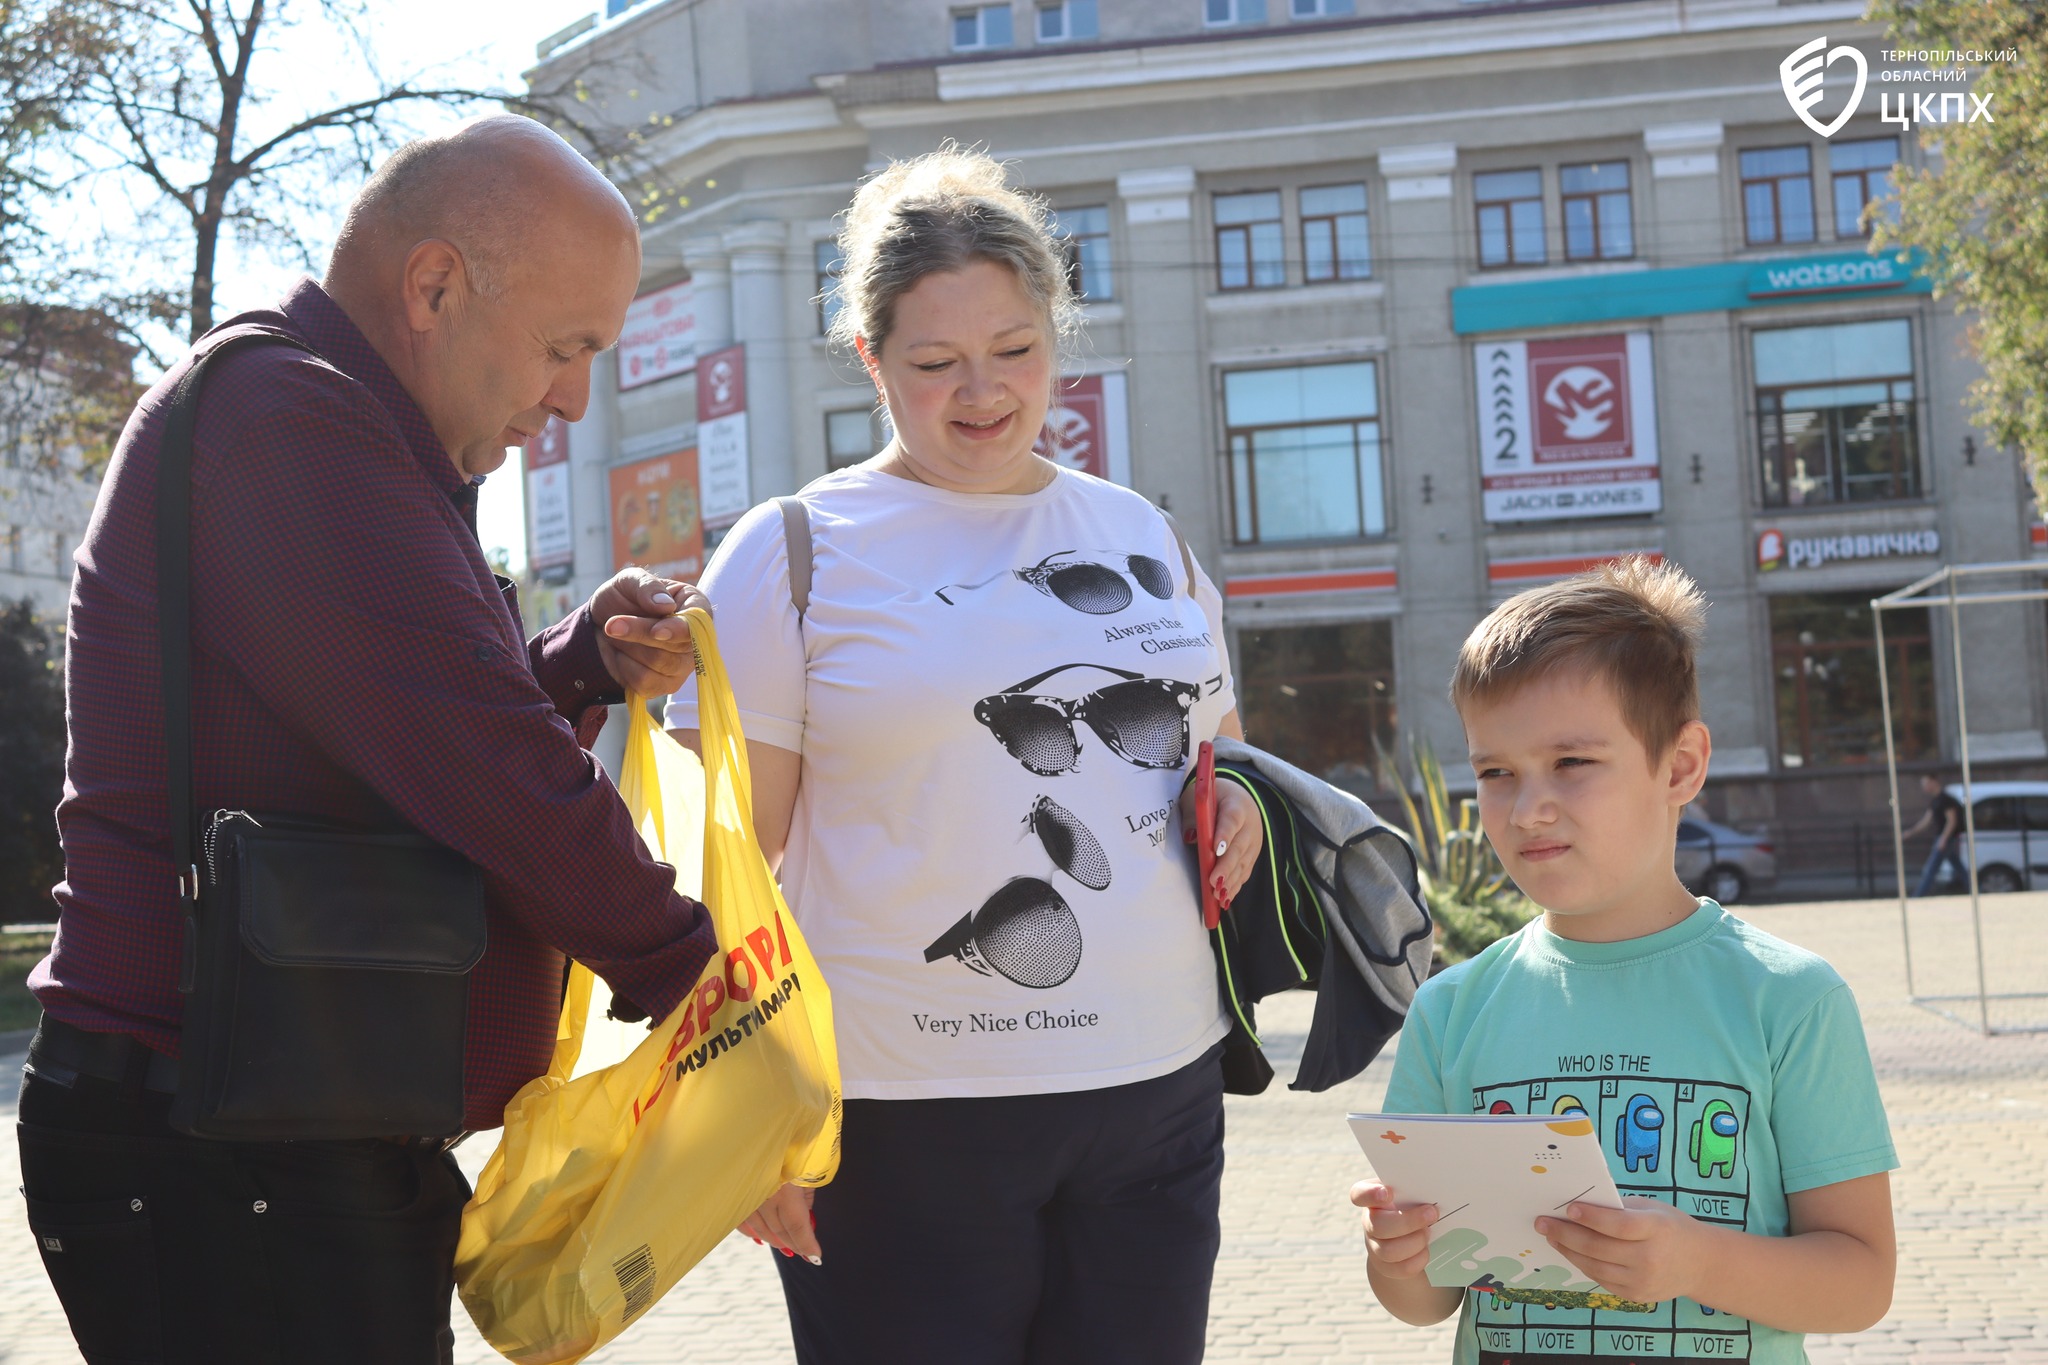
(1891, 771)
(1955, 640)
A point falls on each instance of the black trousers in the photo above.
(1068, 1229)
(169, 1250)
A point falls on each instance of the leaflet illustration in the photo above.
(1491, 1177)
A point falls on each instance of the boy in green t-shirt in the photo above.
(1725, 1071)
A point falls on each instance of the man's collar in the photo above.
(342, 344)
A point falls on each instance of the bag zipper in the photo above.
(210, 844)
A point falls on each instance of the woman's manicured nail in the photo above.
(815, 1260)
(662, 599)
(1221, 846)
(1187, 836)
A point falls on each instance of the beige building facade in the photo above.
(1399, 308)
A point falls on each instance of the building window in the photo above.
(1249, 249)
(829, 263)
(1597, 222)
(1305, 460)
(1862, 172)
(1334, 242)
(854, 434)
(1318, 9)
(1824, 667)
(1777, 195)
(1510, 207)
(1322, 698)
(1220, 13)
(982, 26)
(1085, 234)
(1835, 413)
(1067, 21)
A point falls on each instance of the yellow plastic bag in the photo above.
(607, 1188)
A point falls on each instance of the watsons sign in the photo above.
(1827, 275)
(1776, 550)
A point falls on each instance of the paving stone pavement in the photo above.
(1969, 1115)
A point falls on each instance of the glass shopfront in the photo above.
(1321, 697)
(1824, 666)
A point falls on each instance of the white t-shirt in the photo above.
(996, 697)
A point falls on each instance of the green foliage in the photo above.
(31, 766)
(1978, 211)
(1466, 887)
(19, 953)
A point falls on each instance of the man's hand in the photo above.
(1239, 835)
(785, 1223)
(1647, 1251)
(640, 636)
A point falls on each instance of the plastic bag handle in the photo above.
(725, 756)
(723, 743)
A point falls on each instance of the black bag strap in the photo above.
(174, 613)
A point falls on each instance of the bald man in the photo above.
(354, 660)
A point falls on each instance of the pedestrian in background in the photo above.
(1945, 817)
(353, 659)
(967, 749)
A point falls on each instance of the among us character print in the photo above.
(1678, 1140)
(1093, 582)
(1026, 932)
(1142, 720)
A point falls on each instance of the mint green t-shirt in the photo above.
(1722, 1068)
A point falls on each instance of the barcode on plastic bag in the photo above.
(635, 1270)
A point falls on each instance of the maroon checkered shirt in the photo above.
(352, 655)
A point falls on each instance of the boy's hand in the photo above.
(1647, 1251)
(1396, 1234)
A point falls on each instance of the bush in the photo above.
(31, 765)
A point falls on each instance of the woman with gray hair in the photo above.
(967, 748)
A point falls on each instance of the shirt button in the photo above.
(483, 653)
(579, 684)
(261, 1206)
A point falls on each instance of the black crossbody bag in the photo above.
(326, 968)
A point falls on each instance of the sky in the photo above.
(479, 42)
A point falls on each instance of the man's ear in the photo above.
(1689, 756)
(433, 284)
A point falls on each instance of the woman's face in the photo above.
(967, 372)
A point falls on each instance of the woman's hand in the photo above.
(1239, 835)
(785, 1223)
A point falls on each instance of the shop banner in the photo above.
(550, 529)
(722, 435)
(655, 519)
(660, 340)
(1568, 428)
(1088, 428)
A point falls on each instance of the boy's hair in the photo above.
(1634, 621)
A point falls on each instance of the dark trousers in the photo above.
(1066, 1229)
(1950, 853)
(166, 1248)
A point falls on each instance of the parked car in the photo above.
(2012, 834)
(1722, 862)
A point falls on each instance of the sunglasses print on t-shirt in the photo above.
(1026, 932)
(1095, 586)
(1144, 721)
